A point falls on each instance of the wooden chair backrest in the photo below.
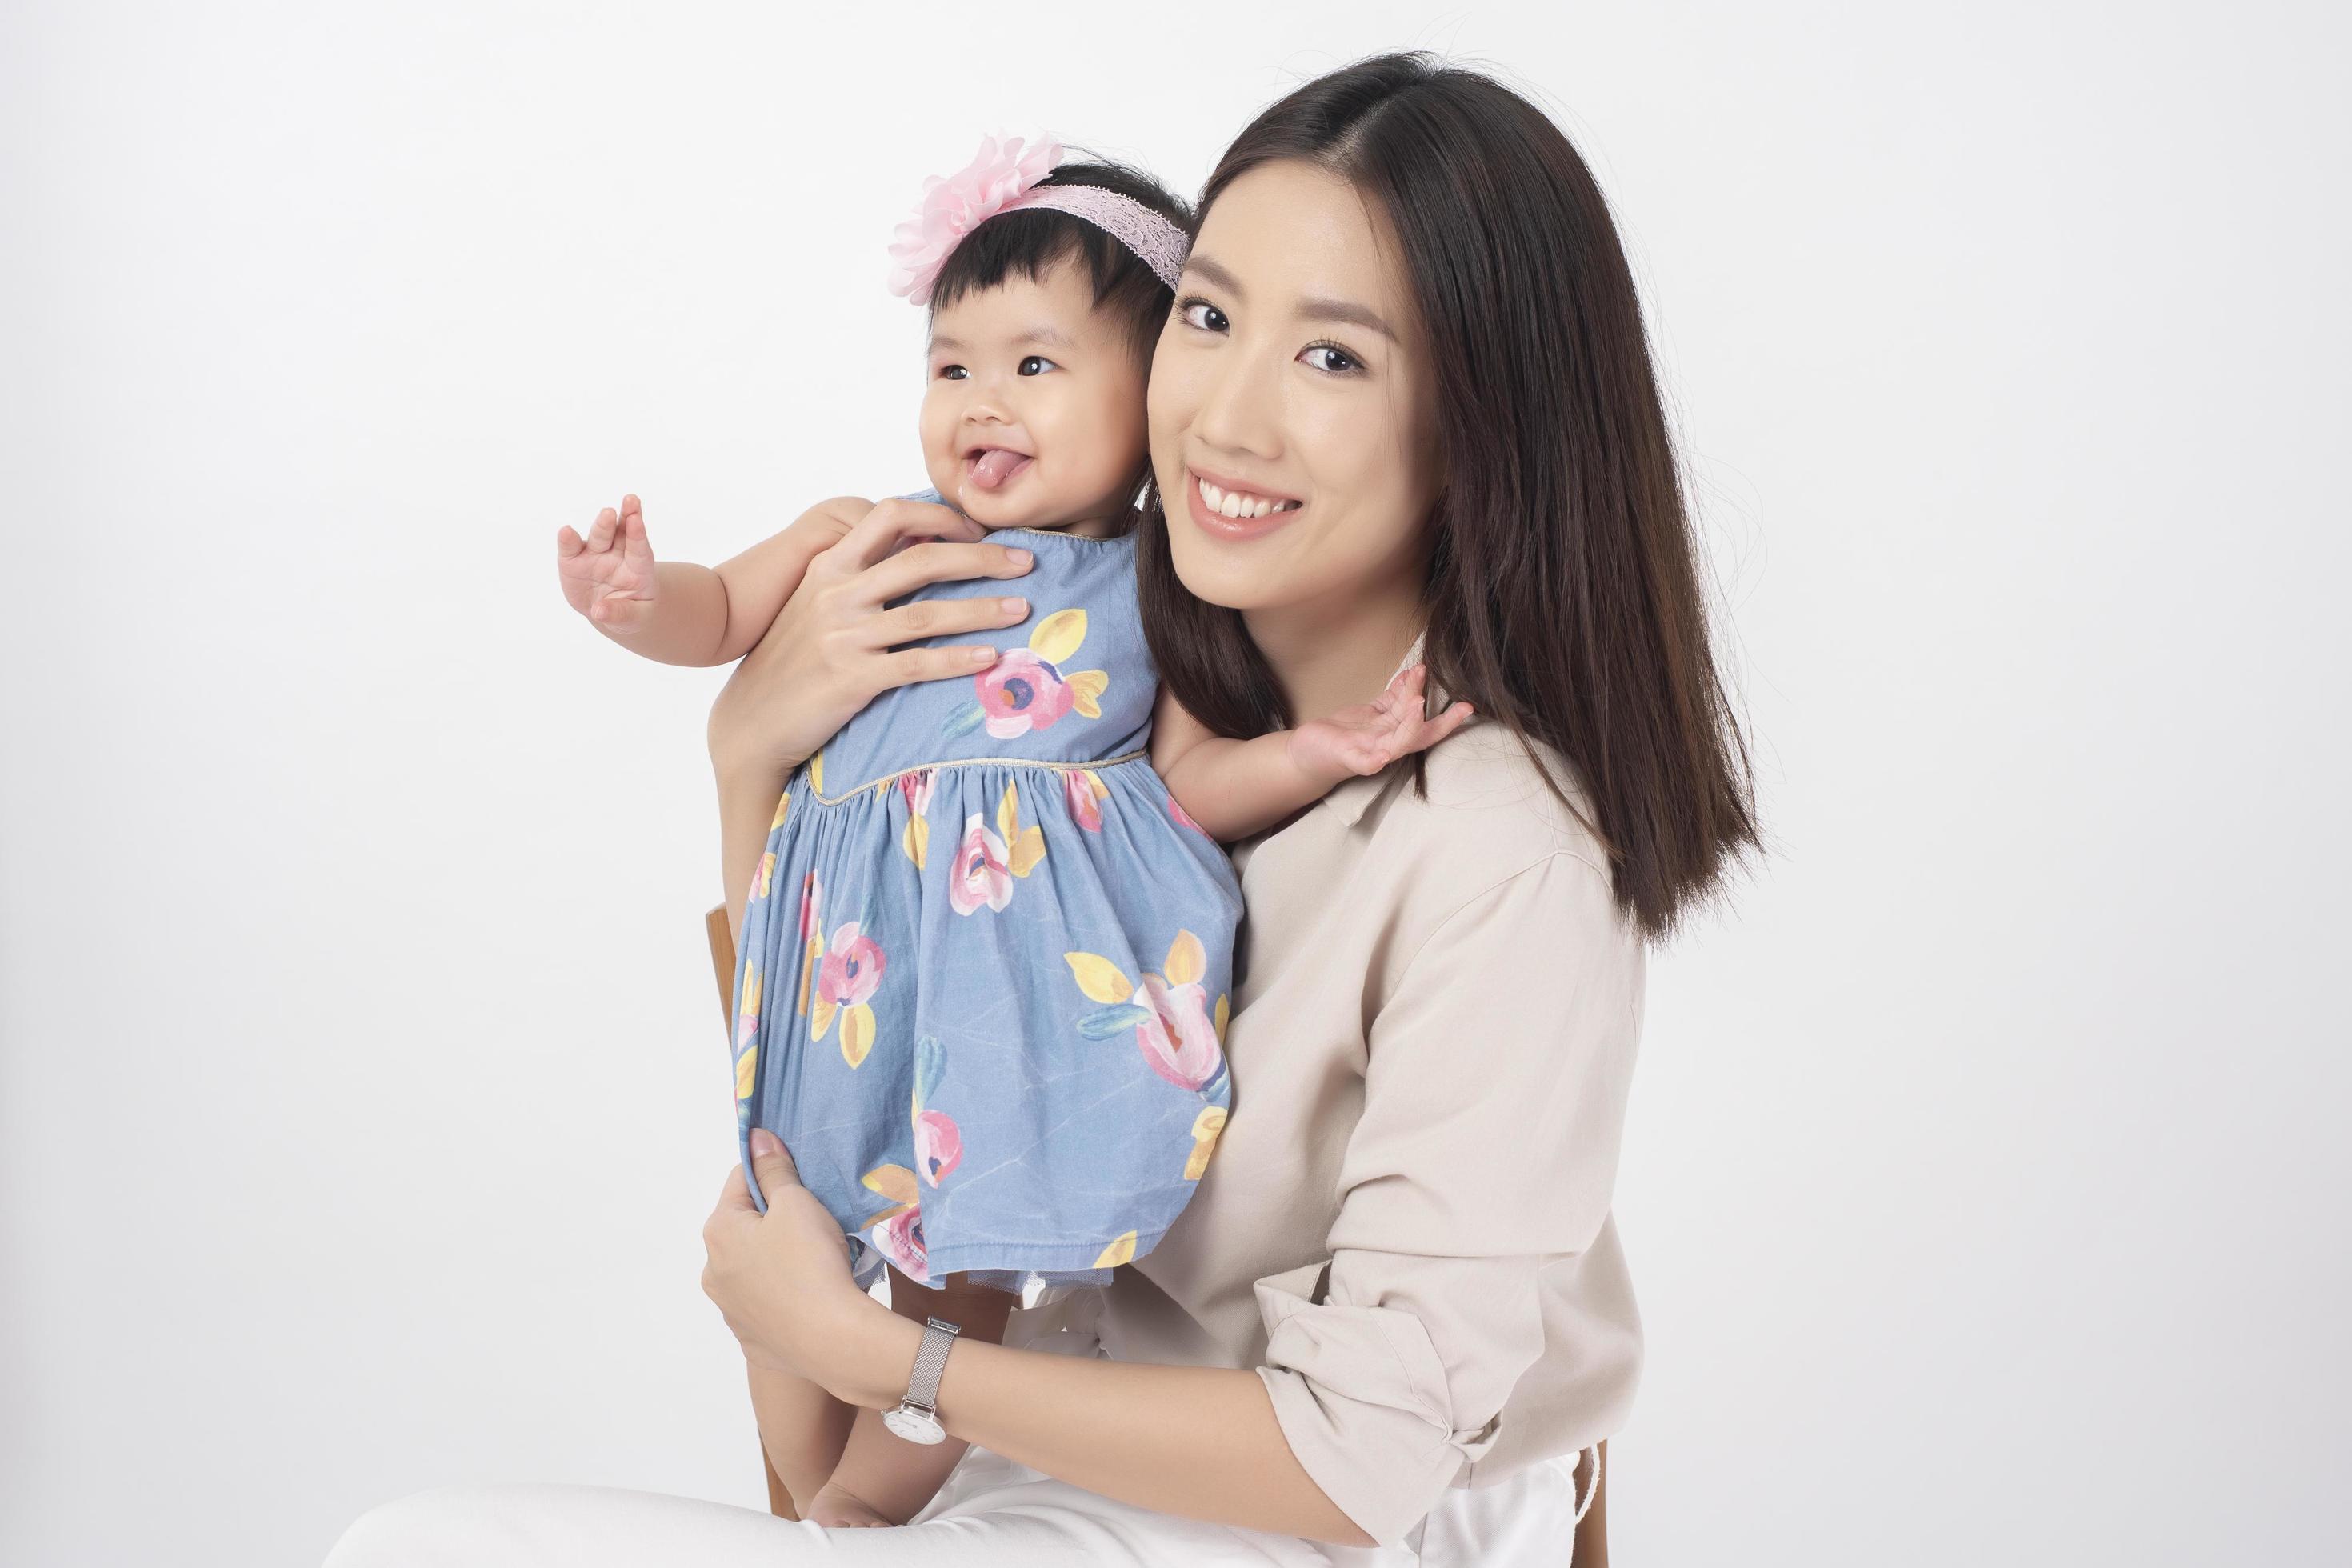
(722, 966)
(1592, 1534)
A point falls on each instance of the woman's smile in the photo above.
(1226, 510)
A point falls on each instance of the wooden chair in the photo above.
(1592, 1534)
(723, 965)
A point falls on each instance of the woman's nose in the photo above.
(1239, 409)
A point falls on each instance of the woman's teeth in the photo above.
(1236, 503)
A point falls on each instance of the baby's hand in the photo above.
(1368, 737)
(609, 576)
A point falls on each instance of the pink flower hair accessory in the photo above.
(1003, 178)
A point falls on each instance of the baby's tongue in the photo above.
(995, 466)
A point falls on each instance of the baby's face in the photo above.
(1032, 409)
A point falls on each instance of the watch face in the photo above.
(914, 1426)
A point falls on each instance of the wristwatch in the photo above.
(913, 1419)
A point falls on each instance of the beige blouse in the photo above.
(1405, 1225)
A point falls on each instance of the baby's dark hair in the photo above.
(1030, 240)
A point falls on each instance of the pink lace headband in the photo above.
(1002, 177)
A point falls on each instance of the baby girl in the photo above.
(986, 964)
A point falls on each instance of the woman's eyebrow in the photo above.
(1209, 269)
(1318, 310)
(1311, 310)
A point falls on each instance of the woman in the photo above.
(1408, 310)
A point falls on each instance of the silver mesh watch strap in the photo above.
(930, 1360)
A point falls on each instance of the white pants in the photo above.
(991, 1513)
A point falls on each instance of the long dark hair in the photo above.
(1562, 596)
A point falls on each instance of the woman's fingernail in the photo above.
(982, 655)
(764, 1142)
(1013, 606)
(1019, 557)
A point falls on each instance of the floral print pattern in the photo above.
(916, 786)
(939, 1143)
(1026, 690)
(847, 974)
(1086, 793)
(902, 1015)
(986, 862)
(1172, 1026)
(897, 1232)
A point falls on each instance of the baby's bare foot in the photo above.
(837, 1508)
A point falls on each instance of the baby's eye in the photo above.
(1346, 361)
(955, 373)
(1032, 360)
(1211, 319)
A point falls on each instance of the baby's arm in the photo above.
(675, 612)
(1234, 788)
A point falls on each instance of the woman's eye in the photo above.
(1210, 319)
(1345, 361)
(1039, 360)
(955, 373)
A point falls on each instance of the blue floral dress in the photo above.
(986, 961)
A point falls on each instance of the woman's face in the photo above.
(1291, 418)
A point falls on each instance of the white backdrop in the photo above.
(363, 1088)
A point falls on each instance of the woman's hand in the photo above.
(834, 646)
(782, 1279)
(1199, 1441)
(1369, 736)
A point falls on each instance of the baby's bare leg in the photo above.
(883, 1478)
(803, 1428)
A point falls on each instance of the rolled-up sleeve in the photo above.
(1495, 1086)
